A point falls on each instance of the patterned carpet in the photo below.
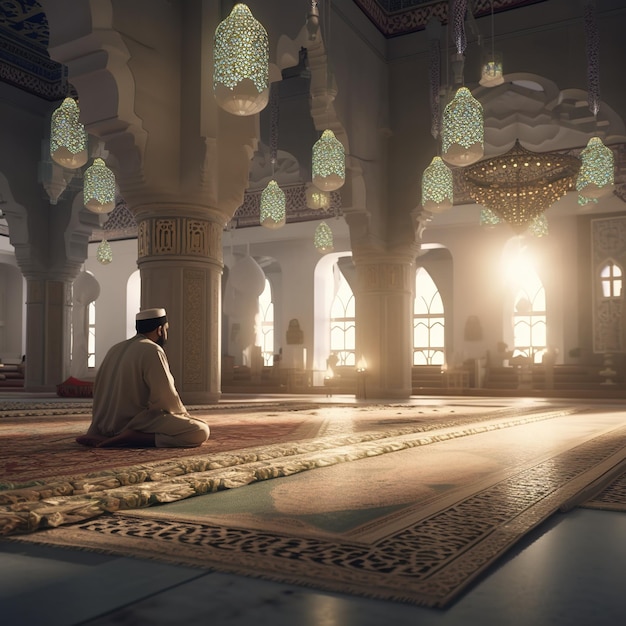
(382, 502)
(39, 445)
(611, 497)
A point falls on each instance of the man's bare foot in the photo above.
(93, 441)
(129, 439)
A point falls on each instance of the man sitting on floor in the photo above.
(135, 402)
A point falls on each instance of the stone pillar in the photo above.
(50, 246)
(384, 323)
(48, 315)
(180, 260)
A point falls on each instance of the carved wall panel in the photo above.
(194, 289)
(608, 243)
(179, 236)
(386, 277)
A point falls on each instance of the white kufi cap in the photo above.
(150, 314)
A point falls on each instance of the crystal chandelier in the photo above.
(437, 186)
(104, 253)
(241, 57)
(99, 188)
(462, 133)
(328, 162)
(520, 185)
(323, 238)
(68, 139)
(273, 205)
(596, 175)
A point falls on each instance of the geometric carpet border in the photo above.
(68, 501)
(611, 498)
(34, 408)
(428, 563)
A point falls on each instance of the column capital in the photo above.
(189, 232)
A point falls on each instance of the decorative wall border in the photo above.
(608, 243)
(401, 17)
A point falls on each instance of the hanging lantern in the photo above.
(99, 188)
(539, 226)
(323, 238)
(491, 72)
(104, 253)
(241, 57)
(488, 218)
(596, 175)
(68, 139)
(463, 130)
(437, 187)
(329, 162)
(316, 198)
(273, 206)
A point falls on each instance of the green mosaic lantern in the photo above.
(104, 253)
(317, 199)
(437, 187)
(241, 57)
(273, 205)
(488, 218)
(68, 139)
(539, 226)
(328, 162)
(99, 188)
(323, 238)
(596, 175)
(462, 134)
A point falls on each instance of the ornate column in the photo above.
(48, 314)
(180, 259)
(384, 322)
(50, 247)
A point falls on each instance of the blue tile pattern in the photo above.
(27, 19)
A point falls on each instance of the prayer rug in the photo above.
(52, 498)
(610, 497)
(37, 443)
(411, 514)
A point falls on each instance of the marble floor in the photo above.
(568, 571)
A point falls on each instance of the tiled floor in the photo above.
(568, 572)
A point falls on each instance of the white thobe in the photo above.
(134, 389)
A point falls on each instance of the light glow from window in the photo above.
(265, 326)
(343, 324)
(611, 280)
(428, 322)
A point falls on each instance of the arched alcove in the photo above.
(133, 302)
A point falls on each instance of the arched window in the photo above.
(529, 319)
(611, 280)
(428, 322)
(133, 302)
(265, 326)
(342, 323)
(91, 337)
